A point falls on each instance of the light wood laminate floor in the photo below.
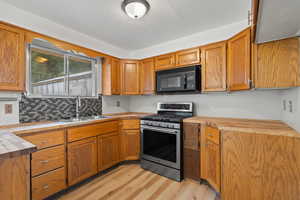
(128, 182)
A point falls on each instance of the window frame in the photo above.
(66, 54)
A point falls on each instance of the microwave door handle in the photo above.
(185, 81)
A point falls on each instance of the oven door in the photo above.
(170, 82)
(161, 145)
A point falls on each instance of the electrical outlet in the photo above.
(118, 104)
(284, 104)
(290, 106)
(8, 109)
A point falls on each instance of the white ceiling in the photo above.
(167, 19)
(278, 20)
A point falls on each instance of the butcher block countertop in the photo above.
(12, 145)
(271, 127)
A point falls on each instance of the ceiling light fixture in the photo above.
(135, 8)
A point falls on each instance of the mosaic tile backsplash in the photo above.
(41, 109)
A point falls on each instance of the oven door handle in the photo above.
(164, 130)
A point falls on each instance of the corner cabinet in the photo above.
(130, 82)
(108, 150)
(12, 59)
(147, 76)
(213, 59)
(82, 160)
(238, 61)
(111, 76)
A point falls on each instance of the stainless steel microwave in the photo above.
(184, 79)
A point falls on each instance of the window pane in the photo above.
(47, 73)
(80, 79)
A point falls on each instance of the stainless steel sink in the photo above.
(83, 119)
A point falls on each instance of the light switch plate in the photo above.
(8, 109)
(118, 104)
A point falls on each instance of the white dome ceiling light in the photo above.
(135, 8)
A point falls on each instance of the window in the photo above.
(53, 72)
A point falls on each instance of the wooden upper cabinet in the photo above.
(147, 76)
(278, 64)
(111, 76)
(188, 57)
(82, 160)
(213, 59)
(130, 82)
(238, 61)
(166, 61)
(12, 59)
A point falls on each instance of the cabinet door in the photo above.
(166, 61)
(213, 59)
(147, 76)
(188, 57)
(278, 64)
(115, 76)
(130, 77)
(108, 151)
(82, 160)
(238, 76)
(111, 76)
(11, 59)
(212, 164)
(131, 144)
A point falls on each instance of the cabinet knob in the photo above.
(46, 187)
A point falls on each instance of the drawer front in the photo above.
(130, 124)
(47, 160)
(212, 134)
(48, 184)
(46, 139)
(78, 133)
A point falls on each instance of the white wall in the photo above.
(109, 104)
(292, 118)
(9, 118)
(42, 25)
(197, 39)
(248, 104)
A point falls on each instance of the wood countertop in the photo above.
(271, 127)
(11, 144)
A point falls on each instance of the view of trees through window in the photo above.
(48, 76)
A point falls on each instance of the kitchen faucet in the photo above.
(78, 104)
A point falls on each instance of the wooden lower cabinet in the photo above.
(47, 184)
(130, 144)
(15, 178)
(82, 160)
(211, 158)
(191, 160)
(47, 160)
(108, 150)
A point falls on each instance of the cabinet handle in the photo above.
(210, 135)
(44, 161)
(46, 187)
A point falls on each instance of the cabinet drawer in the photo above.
(92, 130)
(48, 184)
(47, 160)
(212, 134)
(46, 139)
(130, 124)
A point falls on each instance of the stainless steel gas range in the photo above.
(161, 139)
